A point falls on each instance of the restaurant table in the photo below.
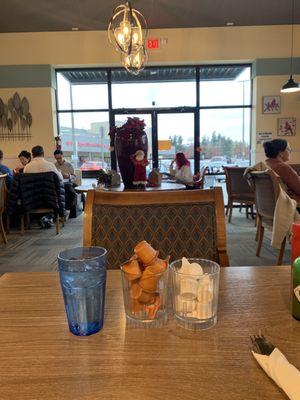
(164, 186)
(41, 359)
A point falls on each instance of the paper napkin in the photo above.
(281, 371)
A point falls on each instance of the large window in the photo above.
(225, 101)
(203, 111)
(175, 134)
(154, 88)
(225, 137)
(84, 139)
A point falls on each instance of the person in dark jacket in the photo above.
(36, 190)
(5, 170)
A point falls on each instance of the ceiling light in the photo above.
(291, 85)
(135, 61)
(229, 23)
(127, 31)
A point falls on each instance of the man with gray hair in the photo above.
(39, 164)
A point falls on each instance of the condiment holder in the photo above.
(195, 287)
(145, 287)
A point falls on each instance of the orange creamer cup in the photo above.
(131, 269)
(158, 265)
(145, 252)
(153, 308)
(149, 281)
(135, 291)
(147, 298)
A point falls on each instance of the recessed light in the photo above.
(75, 29)
(229, 23)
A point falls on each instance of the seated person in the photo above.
(25, 158)
(180, 169)
(39, 164)
(69, 176)
(5, 170)
(278, 152)
(64, 166)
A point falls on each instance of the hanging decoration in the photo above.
(15, 119)
(127, 32)
(291, 85)
(57, 142)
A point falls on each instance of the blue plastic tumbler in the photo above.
(82, 272)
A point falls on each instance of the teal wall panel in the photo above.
(275, 66)
(17, 76)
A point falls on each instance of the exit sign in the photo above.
(152, 43)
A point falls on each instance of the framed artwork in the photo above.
(271, 104)
(286, 126)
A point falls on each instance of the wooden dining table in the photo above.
(87, 184)
(41, 359)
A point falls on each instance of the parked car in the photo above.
(217, 162)
(93, 165)
(241, 162)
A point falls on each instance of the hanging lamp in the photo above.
(127, 29)
(291, 85)
(135, 61)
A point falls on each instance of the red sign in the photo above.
(152, 43)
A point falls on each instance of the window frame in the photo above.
(154, 111)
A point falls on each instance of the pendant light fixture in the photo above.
(135, 61)
(291, 85)
(127, 31)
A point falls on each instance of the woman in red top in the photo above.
(278, 152)
(182, 171)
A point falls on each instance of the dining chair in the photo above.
(3, 195)
(199, 179)
(238, 190)
(177, 223)
(37, 193)
(266, 188)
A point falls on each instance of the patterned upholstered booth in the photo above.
(177, 223)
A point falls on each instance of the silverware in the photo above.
(261, 345)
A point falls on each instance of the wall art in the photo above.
(15, 119)
(286, 126)
(271, 104)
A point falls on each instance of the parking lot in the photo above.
(214, 164)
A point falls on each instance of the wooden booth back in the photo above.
(177, 223)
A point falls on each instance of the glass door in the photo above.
(175, 134)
